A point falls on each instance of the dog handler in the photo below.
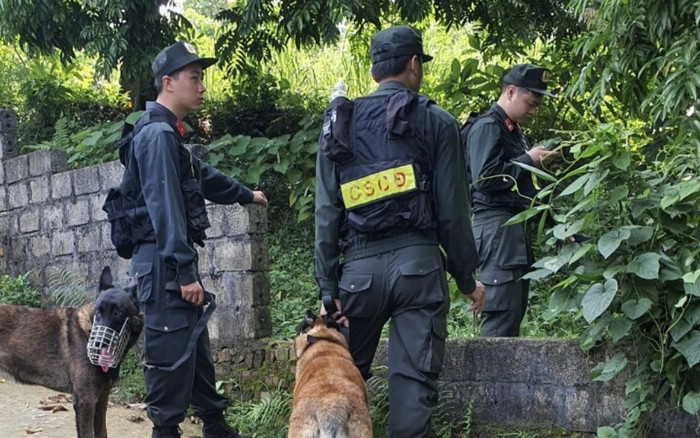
(388, 197)
(172, 186)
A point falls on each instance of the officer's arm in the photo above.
(220, 188)
(490, 171)
(328, 214)
(159, 173)
(452, 207)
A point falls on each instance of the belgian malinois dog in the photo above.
(330, 396)
(51, 347)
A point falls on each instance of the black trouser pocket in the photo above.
(433, 348)
(142, 272)
(165, 338)
(354, 289)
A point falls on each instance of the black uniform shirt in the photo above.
(494, 144)
(157, 151)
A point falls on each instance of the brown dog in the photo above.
(330, 396)
(49, 347)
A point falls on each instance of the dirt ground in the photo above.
(28, 411)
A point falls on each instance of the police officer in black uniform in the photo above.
(499, 190)
(390, 192)
(170, 186)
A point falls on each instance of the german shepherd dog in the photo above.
(49, 347)
(330, 396)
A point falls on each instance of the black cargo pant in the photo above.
(169, 322)
(409, 287)
(505, 255)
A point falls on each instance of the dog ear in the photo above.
(106, 281)
(331, 323)
(308, 321)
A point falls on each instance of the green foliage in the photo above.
(266, 418)
(254, 29)
(291, 156)
(638, 278)
(643, 53)
(130, 387)
(18, 291)
(120, 33)
(67, 289)
(50, 91)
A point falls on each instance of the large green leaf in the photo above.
(539, 172)
(645, 266)
(636, 308)
(689, 347)
(598, 298)
(575, 186)
(691, 283)
(603, 372)
(618, 328)
(691, 403)
(690, 318)
(610, 241)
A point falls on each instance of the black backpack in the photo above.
(119, 208)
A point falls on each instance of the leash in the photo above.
(210, 302)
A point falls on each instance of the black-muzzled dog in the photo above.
(75, 350)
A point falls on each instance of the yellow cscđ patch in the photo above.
(378, 185)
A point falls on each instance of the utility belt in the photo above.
(366, 245)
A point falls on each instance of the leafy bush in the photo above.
(638, 279)
(52, 90)
(17, 291)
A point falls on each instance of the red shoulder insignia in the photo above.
(180, 128)
(509, 124)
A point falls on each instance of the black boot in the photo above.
(166, 432)
(216, 427)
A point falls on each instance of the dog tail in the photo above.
(335, 424)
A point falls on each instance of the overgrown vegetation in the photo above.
(18, 291)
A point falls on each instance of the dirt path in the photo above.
(21, 416)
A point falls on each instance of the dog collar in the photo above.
(311, 340)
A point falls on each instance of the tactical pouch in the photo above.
(121, 230)
(335, 136)
(197, 218)
(400, 107)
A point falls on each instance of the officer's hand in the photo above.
(342, 320)
(478, 298)
(193, 293)
(259, 198)
(540, 155)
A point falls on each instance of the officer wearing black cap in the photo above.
(499, 190)
(389, 194)
(169, 186)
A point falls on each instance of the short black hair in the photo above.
(159, 81)
(389, 67)
(517, 88)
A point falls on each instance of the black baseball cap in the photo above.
(176, 56)
(530, 77)
(397, 41)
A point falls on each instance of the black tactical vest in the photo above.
(126, 207)
(513, 145)
(383, 163)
